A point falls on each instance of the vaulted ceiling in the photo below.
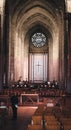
(23, 17)
(22, 11)
(17, 5)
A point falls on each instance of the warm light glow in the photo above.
(23, 111)
(55, 59)
(68, 6)
(1, 6)
(25, 69)
(18, 59)
(1, 3)
(50, 104)
(21, 58)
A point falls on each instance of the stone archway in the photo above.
(52, 27)
(24, 18)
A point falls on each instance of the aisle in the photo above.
(24, 118)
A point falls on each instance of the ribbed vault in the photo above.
(24, 16)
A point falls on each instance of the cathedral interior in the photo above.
(35, 63)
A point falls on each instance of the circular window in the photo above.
(38, 39)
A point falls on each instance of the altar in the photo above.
(29, 98)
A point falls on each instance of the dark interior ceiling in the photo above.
(14, 4)
(56, 2)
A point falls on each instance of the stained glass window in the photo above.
(38, 39)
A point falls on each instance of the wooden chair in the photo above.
(52, 122)
(67, 127)
(37, 120)
(52, 127)
(34, 127)
(49, 118)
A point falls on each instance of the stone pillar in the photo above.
(61, 49)
(1, 47)
(69, 56)
(0, 56)
(11, 74)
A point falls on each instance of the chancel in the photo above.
(35, 64)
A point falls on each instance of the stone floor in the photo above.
(24, 118)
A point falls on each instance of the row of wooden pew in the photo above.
(44, 118)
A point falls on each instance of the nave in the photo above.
(27, 115)
(24, 118)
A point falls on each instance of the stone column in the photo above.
(69, 56)
(1, 47)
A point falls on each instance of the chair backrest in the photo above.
(67, 127)
(34, 127)
(49, 118)
(37, 120)
(52, 122)
(52, 127)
